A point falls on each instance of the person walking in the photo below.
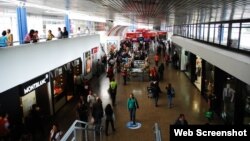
(109, 118)
(132, 104)
(156, 92)
(4, 127)
(124, 75)
(156, 58)
(91, 99)
(170, 95)
(161, 71)
(110, 73)
(112, 90)
(97, 114)
(82, 111)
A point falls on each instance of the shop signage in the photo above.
(35, 83)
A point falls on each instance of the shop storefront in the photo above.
(87, 63)
(246, 100)
(13, 108)
(94, 55)
(198, 72)
(66, 82)
(176, 55)
(232, 98)
(190, 63)
(187, 64)
(36, 92)
(59, 89)
(208, 81)
(77, 79)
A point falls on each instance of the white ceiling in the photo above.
(150, 11)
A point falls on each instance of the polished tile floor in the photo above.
(187, 101)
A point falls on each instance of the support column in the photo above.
(67, 23)
(203, 79)
(22, 23)
(193, 67)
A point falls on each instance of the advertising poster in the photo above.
(112, 45)
(94, 54)
(88, 62)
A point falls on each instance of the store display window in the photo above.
(187, 64)
(209, 80)
(88, 62)
(198, 72)
(58, 83)
(77, 67)
(228, 98)
(246, 95)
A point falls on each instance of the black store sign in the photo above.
(35, 83)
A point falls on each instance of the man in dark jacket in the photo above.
(155, 91)
(97, 114)
(161, 71)
(181, 120)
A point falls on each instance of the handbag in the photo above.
(92, 120)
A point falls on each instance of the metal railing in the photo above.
(82, 131)
(44, 39)
(157, 132)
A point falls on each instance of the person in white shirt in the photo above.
(55, 133)
(91, 99)
(59, 34)
(79, 32)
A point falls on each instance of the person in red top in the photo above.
(167, 59)
(156, 57)
(110, 73)
(153, 73)
(124, 75)
(4, 127)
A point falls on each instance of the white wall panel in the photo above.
(236, 64)
(25, 62)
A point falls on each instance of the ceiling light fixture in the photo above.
(72, 14)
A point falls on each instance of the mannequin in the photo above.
(228, 94)
(198, 67)
(228, 97)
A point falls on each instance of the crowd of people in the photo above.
(90, 108)
(7, 40)
(33, 37)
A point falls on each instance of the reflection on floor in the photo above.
(198, 82)
(187, 101)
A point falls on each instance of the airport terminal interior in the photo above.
(121, 70)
